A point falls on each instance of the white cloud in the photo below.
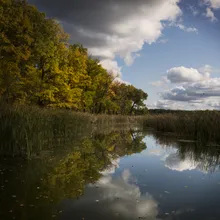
(158, 83)
(121, 81)
(112, 66)
(204, 163)
(195, 84)
(187, 29)
(119, 195)
(131, 202)
(210, 14)
(215, 4)
(113, 28)
(163, 41)
(213, 104)
(174, 162)
(161, 82)
(212, 5)
(166, 104)
(193, 89)
(111, 169)
(207, 88)
(179, 24)
(208, 103)
(179, 93)
(206, 69)
(183, 74)
(193, 10)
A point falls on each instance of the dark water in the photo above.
(121, 175)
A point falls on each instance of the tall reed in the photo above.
(199, 125)
(26, 130)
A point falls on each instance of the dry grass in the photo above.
(26, 130)
(199, 125)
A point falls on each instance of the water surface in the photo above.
(121, 175)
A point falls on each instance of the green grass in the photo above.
(198, 125)
(27, 131)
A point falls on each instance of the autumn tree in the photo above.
(38, 66)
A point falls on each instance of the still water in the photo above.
(121, 175)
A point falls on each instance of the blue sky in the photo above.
(168, 48)
(192, 50)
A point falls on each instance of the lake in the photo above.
(122, 175)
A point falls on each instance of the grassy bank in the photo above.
(198, 125)
(25, 130)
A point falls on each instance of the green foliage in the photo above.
(38, 66)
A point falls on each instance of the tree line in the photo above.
(39, 66)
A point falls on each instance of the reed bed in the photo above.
(198, 125)
(26, 130)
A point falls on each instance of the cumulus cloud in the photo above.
(206, 69)
(113, 28)
(210, 14)
(116, 197)
(111, 169)
(174, 162)
(112, 66)
(212, 5)
(166, 104)
(193, 89)
(215, 4)
(120, 195)
(184, 74)
(204, 163)
(130, 203)
(207, 88)
(178, 93)
(213, 103)
(199, 104)
(161, 82)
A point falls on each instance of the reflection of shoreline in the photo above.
(111, 169)
(174, 162)
(202, 164)
(185, 154)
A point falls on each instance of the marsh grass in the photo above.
(198, 125)
(26, 131)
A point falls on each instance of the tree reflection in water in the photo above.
(85, 164)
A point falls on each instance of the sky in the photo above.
(168, 48)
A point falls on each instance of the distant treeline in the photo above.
(163, 111)
(38, 66)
